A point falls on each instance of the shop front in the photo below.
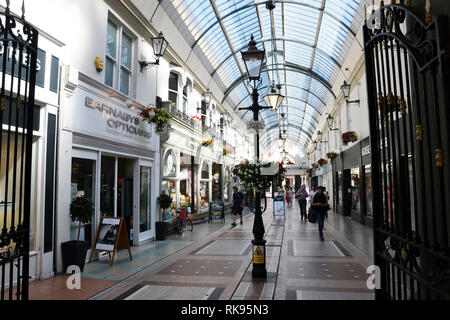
(113, 163)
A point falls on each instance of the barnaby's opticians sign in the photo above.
(99, 117)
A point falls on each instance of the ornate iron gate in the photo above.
(407, 75)
(18, 62)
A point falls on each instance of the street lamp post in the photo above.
(253, 59)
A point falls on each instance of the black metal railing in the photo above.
(407, 75)
(18, 62)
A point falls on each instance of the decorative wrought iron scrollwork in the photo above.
(397, 22)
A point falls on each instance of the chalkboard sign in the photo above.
(216, 211)
(111, 235)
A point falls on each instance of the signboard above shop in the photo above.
(104, 119)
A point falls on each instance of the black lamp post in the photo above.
(253, 59)
(159, 45)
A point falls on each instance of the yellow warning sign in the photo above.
(258, 256)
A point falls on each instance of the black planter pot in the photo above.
(161, 229)
(74, 253)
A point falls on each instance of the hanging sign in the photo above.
(111, 235)
(256, 125)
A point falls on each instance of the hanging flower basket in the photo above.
(208, 142)
(158, 116)
(250, 177)
(321, 162)
(332, 155)
(315, 165)
(349, 136)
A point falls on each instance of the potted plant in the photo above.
(74, 251)
(332, 155)
(321, 162)
(158, 116)
(162, 227)
(349, 136)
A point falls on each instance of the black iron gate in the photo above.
(18, 65)
(408, 88)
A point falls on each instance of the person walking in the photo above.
(288, 197)
(291, 195)
(301, 194)
(320, 207)
(238, 205)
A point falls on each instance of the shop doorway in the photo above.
(125, 193)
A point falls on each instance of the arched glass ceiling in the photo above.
(306, 42)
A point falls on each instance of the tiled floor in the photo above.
(215, 262)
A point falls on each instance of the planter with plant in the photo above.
(349, 136)
(332, 155)
(158, 116)
(321, 162)
(74, 252)
(208, 142)
(162, 227)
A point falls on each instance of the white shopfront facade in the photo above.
(113, 158)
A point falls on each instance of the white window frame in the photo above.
(117, 65)
(175, 91)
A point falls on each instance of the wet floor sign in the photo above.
(258, 255)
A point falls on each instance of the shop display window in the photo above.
(204, 192)
(216, 193)
(18, 197)
(82, 182)
(107, 186)
(227, 185)
(356, 187)
(186, 186)
(368, 179)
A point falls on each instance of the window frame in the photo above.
(117, 65)
(172, 90)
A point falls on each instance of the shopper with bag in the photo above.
(320, 207)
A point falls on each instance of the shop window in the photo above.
(173, 88)
(216, 194)
(185, 98)
(186, 185)
(356, 187)
(145, 199)
(14, 198)
(204, 192)
(107, 186)
(227, 185)
(83, 182)
(119, 54)
(340, 181)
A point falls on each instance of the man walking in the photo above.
(238, 205)
(320, 207)
(301, 194)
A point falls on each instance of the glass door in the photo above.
(145, 201)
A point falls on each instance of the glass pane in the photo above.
(109, 72)
(173, 81)
(173, 97)
(107, 186)
(124, 81)
(111, 39)
(145, 200)
(127, 51)
(204, 195)
(83, 173)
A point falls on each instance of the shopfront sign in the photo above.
(365, 151)
(101, 118)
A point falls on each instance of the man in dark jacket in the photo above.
(320, 207)
(302, 195)
(238, 205)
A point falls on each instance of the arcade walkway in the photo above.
(214, 262)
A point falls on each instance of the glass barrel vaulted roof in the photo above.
(306, 42)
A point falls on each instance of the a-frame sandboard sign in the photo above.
(111, 235)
